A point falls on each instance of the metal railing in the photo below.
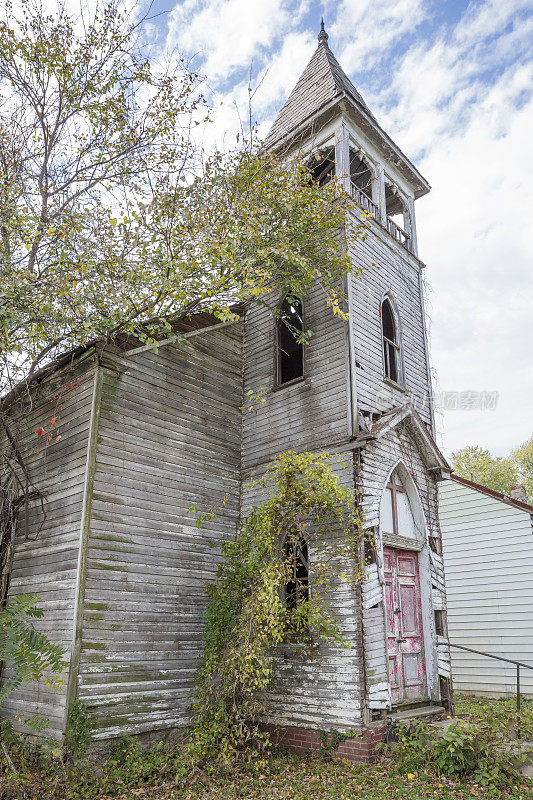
(518, 664)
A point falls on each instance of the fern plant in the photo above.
(26, 652)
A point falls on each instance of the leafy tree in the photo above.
(477, 464)
(110, 221)
(523, 459)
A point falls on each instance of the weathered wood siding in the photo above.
(169, 438)
(305, 415)
(387, 267)
(46, 561)
(326, 692)
(488, 556)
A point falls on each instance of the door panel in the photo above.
(405, 639)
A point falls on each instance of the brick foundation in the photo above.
(361, 749)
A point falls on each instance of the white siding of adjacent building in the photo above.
(488, 557)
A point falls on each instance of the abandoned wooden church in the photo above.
(117, 561)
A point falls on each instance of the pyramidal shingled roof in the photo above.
(322, 80)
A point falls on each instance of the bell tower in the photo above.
(325, 117)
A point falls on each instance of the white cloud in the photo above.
(363, 31)
(227, 34)
(474, 129)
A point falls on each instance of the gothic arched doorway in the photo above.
(403, 604)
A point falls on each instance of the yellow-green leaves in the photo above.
(248, 615)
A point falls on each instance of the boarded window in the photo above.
(391, 347)
(289, 345)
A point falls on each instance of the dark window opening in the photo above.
(360, 174)
(435, 545)
(391, 348)
(439, 623)
(290, 347)
(297, 565)
(322, 166)
(394, 206)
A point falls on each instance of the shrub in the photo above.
(465, 750)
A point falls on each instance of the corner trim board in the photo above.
(79, 599)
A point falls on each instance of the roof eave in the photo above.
(420, 184)
(478, 487)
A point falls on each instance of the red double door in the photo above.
(407, 670)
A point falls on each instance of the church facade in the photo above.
(117, 561)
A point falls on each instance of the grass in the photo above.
(127, 772)
(475, 709)
(151, 775)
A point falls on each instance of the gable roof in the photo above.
(407, 414)
(322, 81)
(492, 493)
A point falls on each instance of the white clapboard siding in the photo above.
(46, 561)
(169, 442)
(375, 640)
(488, 557)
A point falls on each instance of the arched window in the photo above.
(290, 349)
(391, 345)
(297, 565)
(396, 514)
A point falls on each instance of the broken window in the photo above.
(394, 205)
(297, 565)
(391, 346)
(398, 224)
(289, 345)
(322, 166)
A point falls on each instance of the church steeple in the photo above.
(321, 83)
(322, 36)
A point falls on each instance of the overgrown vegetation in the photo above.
(260, 599)
(112, 220)
(480, 746)
(78, 734)
(162, 773)
(502, 711)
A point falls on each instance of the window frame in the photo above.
(278, 384)
(388, 345)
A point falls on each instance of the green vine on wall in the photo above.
(248, 615)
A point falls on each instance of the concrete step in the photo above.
(411, 714)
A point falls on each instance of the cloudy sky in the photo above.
(450, 81)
